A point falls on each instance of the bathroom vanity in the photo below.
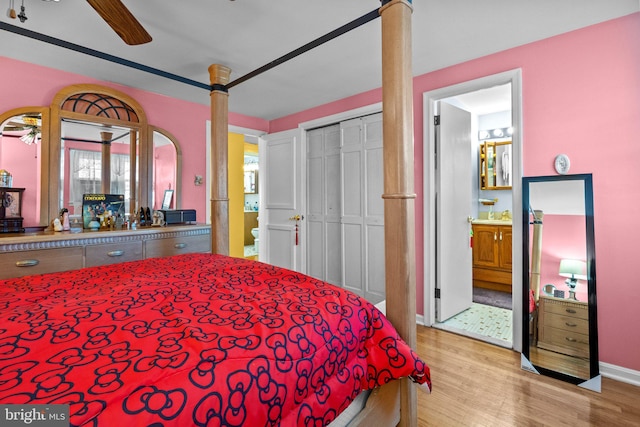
(492, 261)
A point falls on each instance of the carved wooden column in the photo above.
(399, 196)
(219, 77)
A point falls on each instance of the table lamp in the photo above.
(573, 270)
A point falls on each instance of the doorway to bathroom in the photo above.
(454, 205)
(251, 184)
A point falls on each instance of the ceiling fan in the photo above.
(116, 14)
(32, 124)
(20, 123)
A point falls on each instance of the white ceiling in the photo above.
(247, 34)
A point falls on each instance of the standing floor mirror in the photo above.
(560, 327)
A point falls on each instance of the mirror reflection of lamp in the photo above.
(573, 270)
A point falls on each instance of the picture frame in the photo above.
(166, 200)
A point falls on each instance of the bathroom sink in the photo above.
(492, 221)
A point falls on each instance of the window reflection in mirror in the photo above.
(94, 159)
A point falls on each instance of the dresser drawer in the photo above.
(567, 323)
(112, 253)
(177, 245)
(24, 263)
(567, 342)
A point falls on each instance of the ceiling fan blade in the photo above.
(121, 20)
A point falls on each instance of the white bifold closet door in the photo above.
(345, 207)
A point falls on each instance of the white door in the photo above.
(362, 207)
(453, 200)
(324, 250)
(281, 184)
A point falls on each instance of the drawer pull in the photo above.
(27, 263)
(570, 339)
(115, 253)
(180, 245)
(572, 311)
(571, 325)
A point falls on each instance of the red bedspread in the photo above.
(194, 339)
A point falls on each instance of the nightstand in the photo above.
(563, 326)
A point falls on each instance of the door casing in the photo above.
(514, 77)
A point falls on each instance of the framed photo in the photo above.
(166, 201)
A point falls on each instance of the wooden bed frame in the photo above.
(397, 400)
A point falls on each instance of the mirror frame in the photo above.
(593, 382)
(50, 145)
(483, 167)
(140, 187)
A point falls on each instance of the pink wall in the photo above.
(581, 97)
(184, 120)
(21, 161)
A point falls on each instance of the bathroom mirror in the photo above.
(250, 182)
(560, 332)
(495, 165)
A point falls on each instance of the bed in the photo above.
(398, 404)
(194, 339)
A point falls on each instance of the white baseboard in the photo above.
(619, 373)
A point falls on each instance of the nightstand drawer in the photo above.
(567, 308)
(567, 323)
(112, 253)
(566, 342)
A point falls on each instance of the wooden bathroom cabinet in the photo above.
(492, 261)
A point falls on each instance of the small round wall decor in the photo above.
(562, 164)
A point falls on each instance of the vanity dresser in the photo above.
(46, 252)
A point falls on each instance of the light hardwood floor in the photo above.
(479, 384)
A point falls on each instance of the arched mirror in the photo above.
(560, 334)
(167, 159)
(95, 140)
(98, 139)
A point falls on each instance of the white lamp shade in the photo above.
(573, 268)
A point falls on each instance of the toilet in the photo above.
(254, 233)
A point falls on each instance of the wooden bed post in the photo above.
(399, 196)
(219, 77)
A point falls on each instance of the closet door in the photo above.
(362, 207)
(323, 206)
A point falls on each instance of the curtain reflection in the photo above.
(86, 172)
